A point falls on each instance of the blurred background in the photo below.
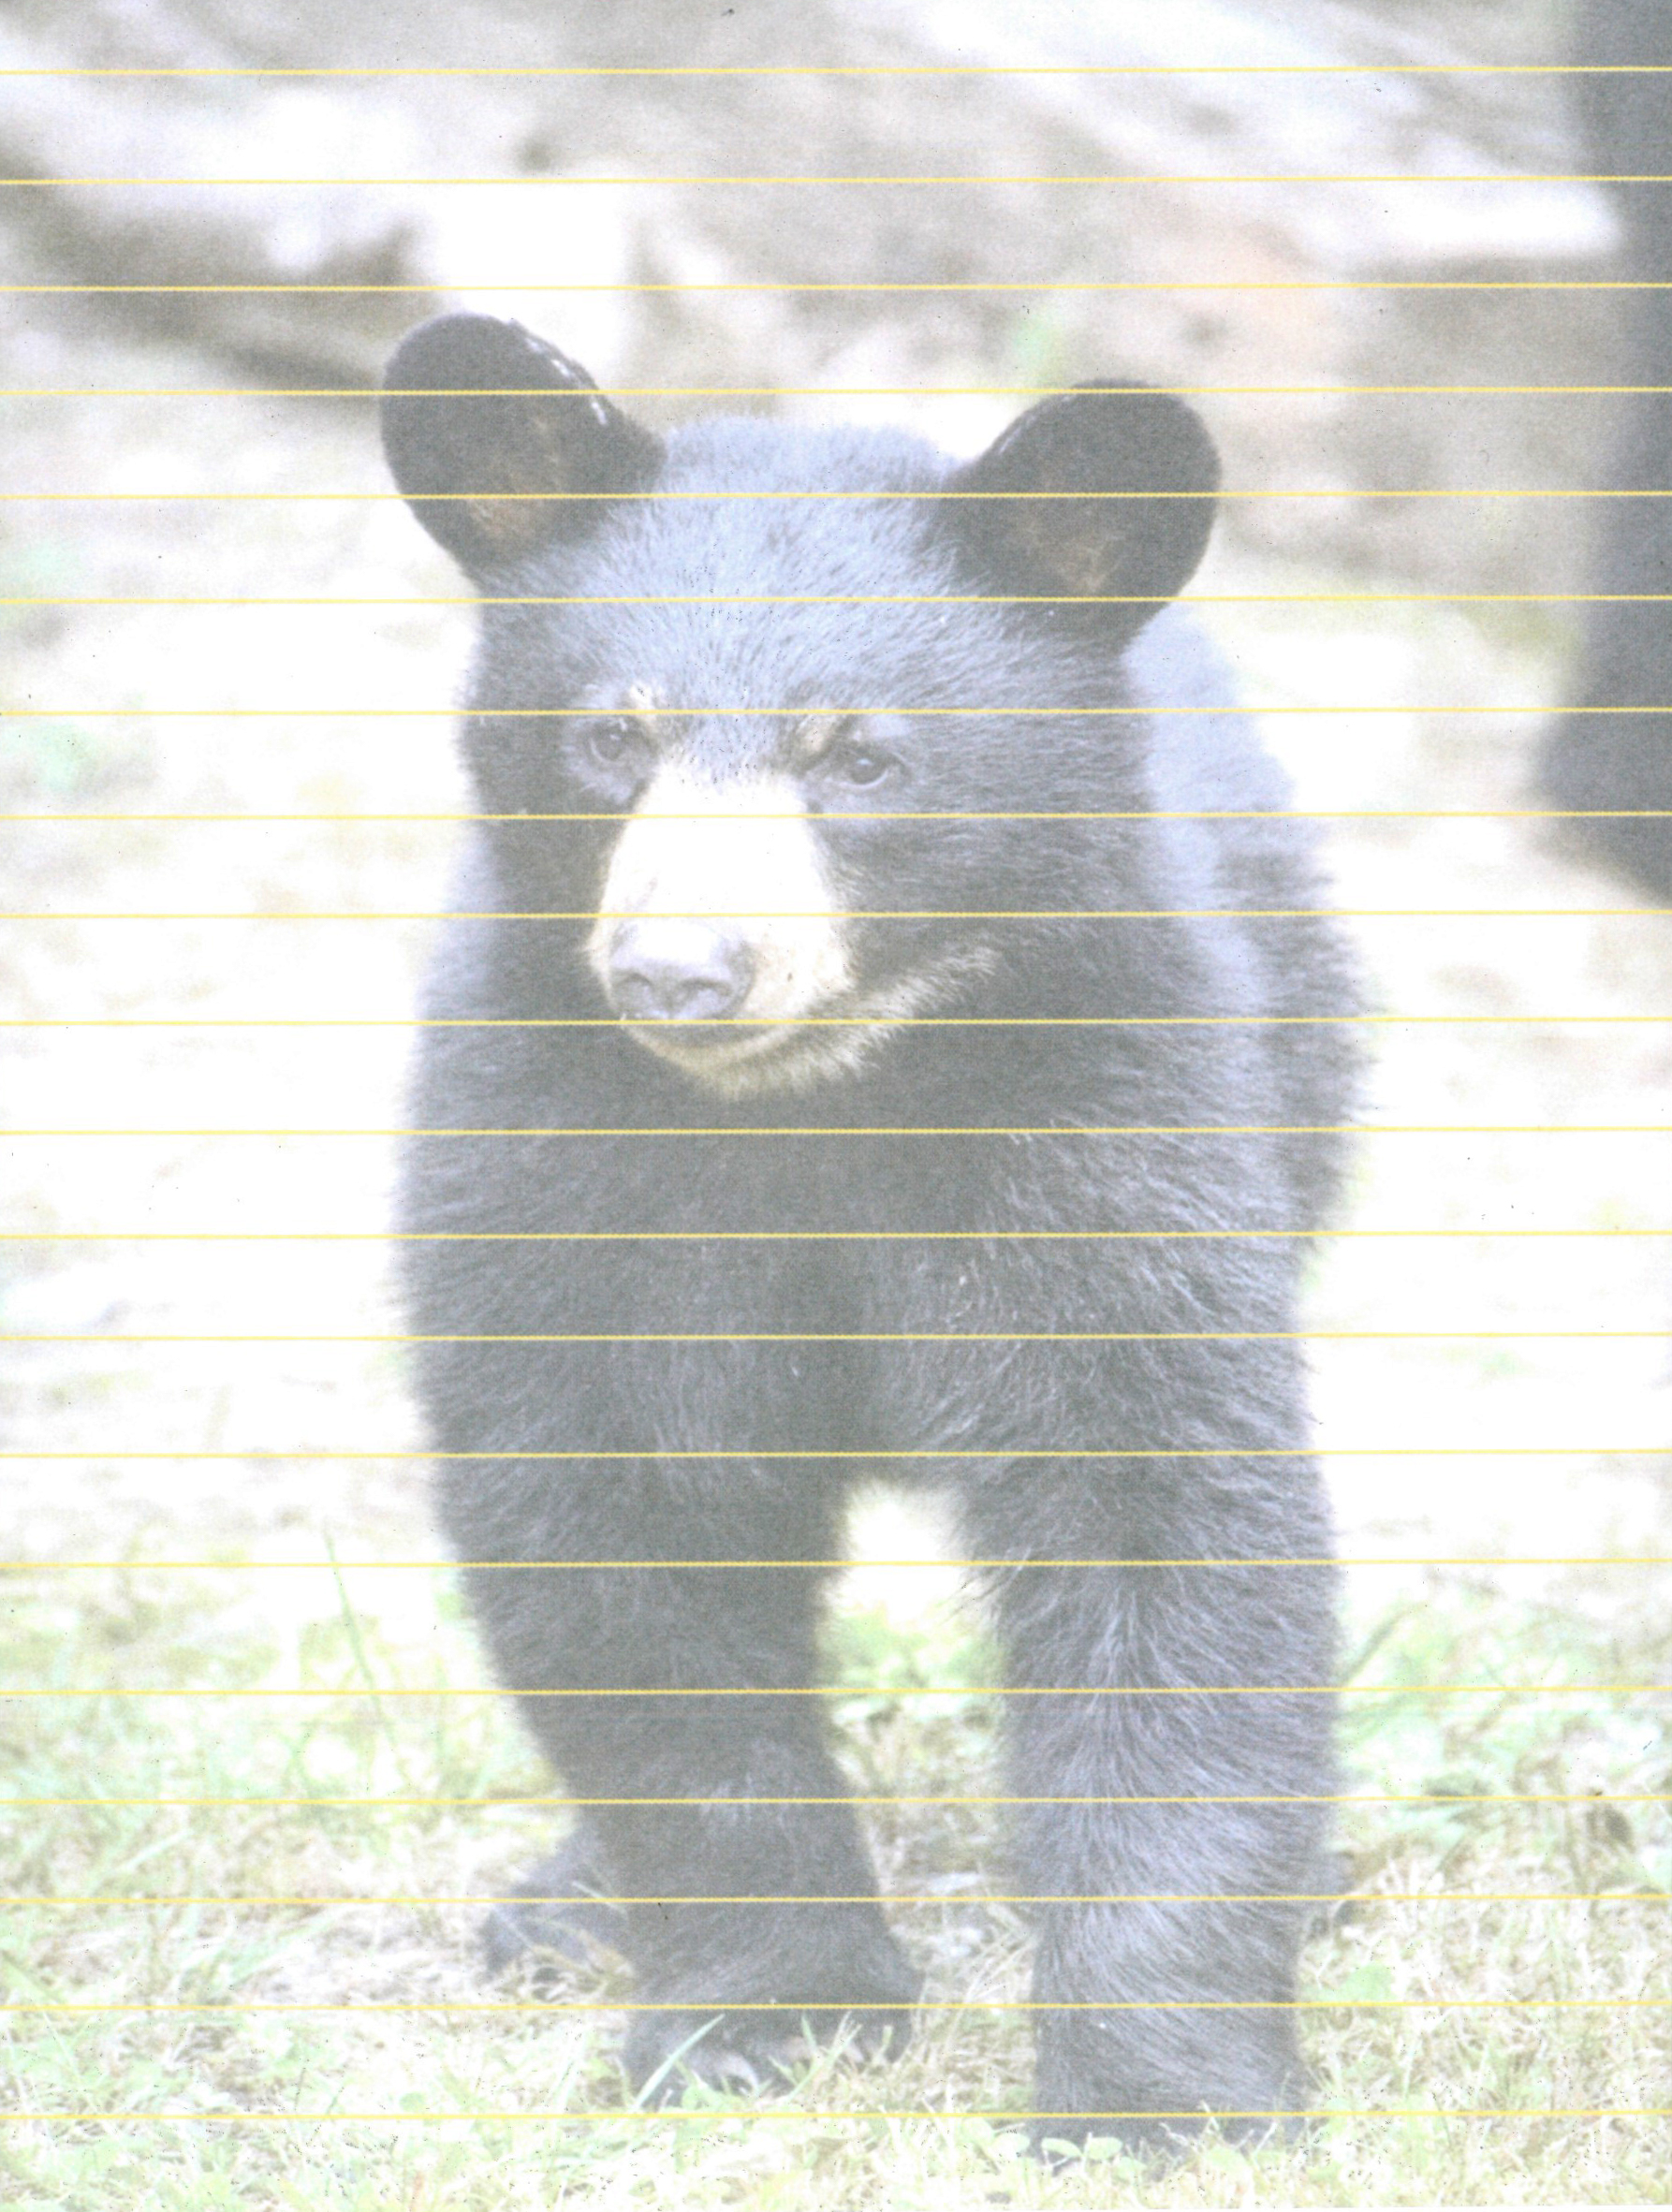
(228, 826)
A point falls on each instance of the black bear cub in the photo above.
(884, 1034)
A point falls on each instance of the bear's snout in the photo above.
(675, 969)
(715, 907)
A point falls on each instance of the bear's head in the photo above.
(800, 728)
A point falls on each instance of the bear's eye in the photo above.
(613, 741)
(853, 761)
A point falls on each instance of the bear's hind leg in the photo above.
(1170, 1878)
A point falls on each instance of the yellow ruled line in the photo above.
(547, 179)
(76, 816)
(994, 2115)
(893, 814)
(553, 1801)
(955, 1898)
(883, 492)
(930, 1129)
(770, 69)
(1005, 1336)
(762, 1236)
(827, 391)
(942, 1021)
(334, 1565)
(851, 914)
(896, 814)
(448, 2006)
(1020, 713)
(652, 1451)
(357, 1689)
(320, 599)
(420, 288)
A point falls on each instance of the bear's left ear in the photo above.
(1103, 494)
(474, 408)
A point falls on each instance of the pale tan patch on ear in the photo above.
(1066, 543)
(509, 527)
(539, 458)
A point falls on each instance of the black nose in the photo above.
(676, 970)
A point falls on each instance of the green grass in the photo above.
(247, 1628)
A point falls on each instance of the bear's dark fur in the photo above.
(1043, 1009)
(1616, 768)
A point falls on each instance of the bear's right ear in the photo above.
(474, 408)
(1098, 502)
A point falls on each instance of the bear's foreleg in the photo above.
(673, 1699)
